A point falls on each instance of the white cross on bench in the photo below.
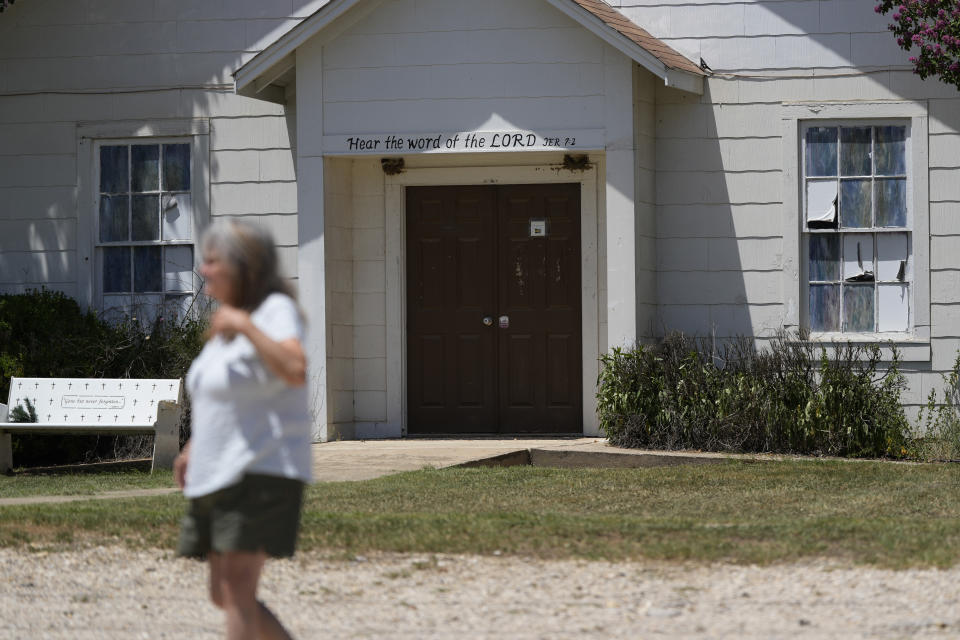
(101, 406)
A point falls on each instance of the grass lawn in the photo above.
(84, 480)
(885, 514)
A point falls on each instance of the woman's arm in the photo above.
(285, 358)
(180, 466)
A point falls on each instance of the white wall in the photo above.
(744, 35)
(141, 61)
(719, 158)
(456, 65)
(338, 272)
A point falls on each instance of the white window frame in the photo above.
(914, 344)
(92, 136)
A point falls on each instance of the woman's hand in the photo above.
(286, 358)
(229, 321)
(180, 466)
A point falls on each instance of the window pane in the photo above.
(114, 220)
(146, 269)
(177, 217)
(178, 269)
(891, 151)
(894, 301)
(176, 307)
(824, 257)
(116, 308)
(824, 307)
(855, 151)
(858, 257)
(891, 202)
(855, 204)
(821, 150)
(858, 303)
(822, 204)
(146, 218)
(176, 167)
(145, 165)
(116, 269)
(892, 257)
(113, 170)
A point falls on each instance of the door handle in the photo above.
(488, 321)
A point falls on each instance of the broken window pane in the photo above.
(824, 257)
(176, 167)
(145, 166)
(894, 301)
(146, 218)
(178, 269)
(891, 202)
(114, 218)
(891, 154)
(116, 269)
(824, 307)
(821, 151)
(822, 204)
(177, 216)
(855, 151)
(146, 269)
(858, 308)
(855, 204)
(113, 169)
(892, 257)
(858, 257)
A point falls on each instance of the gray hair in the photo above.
(251, 254)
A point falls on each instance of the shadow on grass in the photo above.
(117, 466)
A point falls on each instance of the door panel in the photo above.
(451, 356)
(539, 283)
(471, 255)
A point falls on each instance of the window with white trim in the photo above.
(857, 226)
(145, 227)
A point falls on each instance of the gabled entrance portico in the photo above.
(541, 112)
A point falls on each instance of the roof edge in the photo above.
(245, 77)
(277, 53)
(677, 78)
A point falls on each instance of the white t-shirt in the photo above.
(244, 418)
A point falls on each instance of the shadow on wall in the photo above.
(66, 63)
(719, 157)
(718, 255)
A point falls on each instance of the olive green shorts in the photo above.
(260, 513)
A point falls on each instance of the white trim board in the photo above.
(915, 345)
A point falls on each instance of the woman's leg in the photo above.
(234, 576)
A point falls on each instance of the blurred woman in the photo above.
(248, 457)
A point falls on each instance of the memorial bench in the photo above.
(96, 406)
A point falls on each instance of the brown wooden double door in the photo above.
(493, 310)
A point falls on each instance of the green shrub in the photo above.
(789, 397)
(938, 436)
(46, 334)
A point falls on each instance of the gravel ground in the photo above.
(110, 592)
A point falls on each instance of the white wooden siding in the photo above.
(720, 156)
(741, 35)
(506, 64)
(188, 48)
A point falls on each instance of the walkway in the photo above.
(352, 460)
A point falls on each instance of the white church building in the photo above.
(478, 198)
